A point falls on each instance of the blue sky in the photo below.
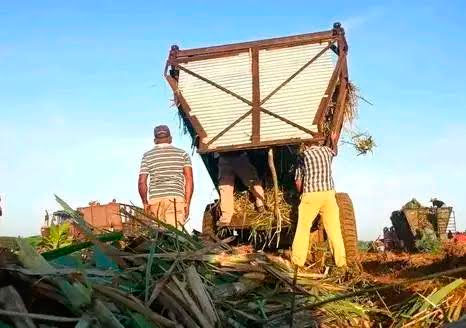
(81, 88)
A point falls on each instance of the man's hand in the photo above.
(334, 142)
(186, 211)
(146, 208)
(299, 185)
(142, 187)
(334, 137)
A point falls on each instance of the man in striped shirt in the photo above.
(314, 180)
(171, 180)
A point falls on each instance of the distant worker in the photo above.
(171, 180)
(437, 202)
(47, 218)
(314, 180)
(450, 234)
(231, 165)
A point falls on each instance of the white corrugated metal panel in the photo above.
(297, 101)
(215, 109)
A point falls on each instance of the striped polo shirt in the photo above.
(164, 164)
(315, 169)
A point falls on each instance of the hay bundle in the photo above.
(363, 143)
(244, 206)
(351, 104)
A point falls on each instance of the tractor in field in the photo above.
(413, 220)
(267, 98)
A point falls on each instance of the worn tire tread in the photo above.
(348, 227)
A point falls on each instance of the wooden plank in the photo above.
(338, 116)
(181, 60)
(255, 97)
(264, 144)
(322, 109)
(267, 43)
(186, 109)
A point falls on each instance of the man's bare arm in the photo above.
(334, 143)
(299, 185)
(142, 187)
(188, 187)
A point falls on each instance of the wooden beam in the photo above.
(186, 109)
(188, 59)
(256, 98)
(267, 43)
(263, 144)
(338, 116)
(321, 111)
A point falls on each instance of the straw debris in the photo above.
(168, 278)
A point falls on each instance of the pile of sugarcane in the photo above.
(165, 277)
(266, 219)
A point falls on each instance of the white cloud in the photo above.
(357, 21)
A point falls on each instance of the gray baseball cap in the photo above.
(162, 131)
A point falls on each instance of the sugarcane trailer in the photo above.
(267, 98)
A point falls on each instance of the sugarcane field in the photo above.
(236, 165)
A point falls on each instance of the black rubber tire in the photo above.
(348, 227)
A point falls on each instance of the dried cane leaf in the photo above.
(77, 294)
(139, 321)
(31, 259)
(193, 307)
(105, 316)
(161, 283)
(149, 272)
(200, 294)
(170, 303)
(84, 227)
(12, 301)
(439, 295)
(459, 307)
(85, 322)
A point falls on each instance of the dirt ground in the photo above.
(388, 267)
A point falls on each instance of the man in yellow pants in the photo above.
(314, 180)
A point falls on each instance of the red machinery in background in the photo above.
(100, 218)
